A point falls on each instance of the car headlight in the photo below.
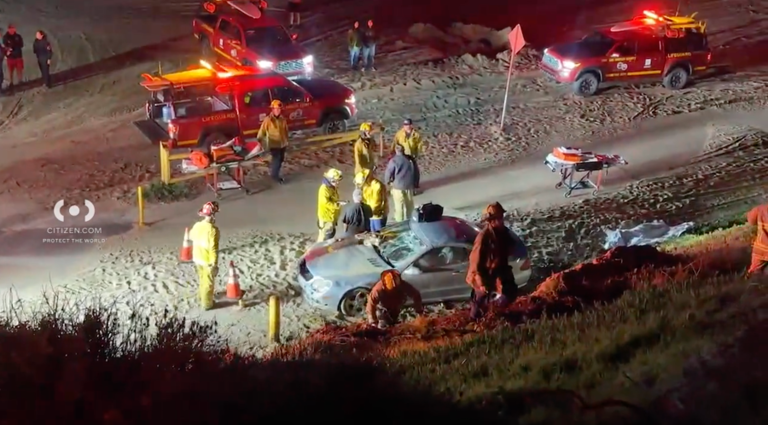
(265, 64)
(350, 99)
(308, 60)
(569, 64)
(320, 285)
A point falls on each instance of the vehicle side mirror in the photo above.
(294, 36)
(412, 271)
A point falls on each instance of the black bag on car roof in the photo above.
(428, 213)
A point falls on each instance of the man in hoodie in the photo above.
(44, 53)
(403, 176)
(353, 44)
(356, 216)
(388, 297)
(369, 47)
(14, 43)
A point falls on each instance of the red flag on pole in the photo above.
(516, 43)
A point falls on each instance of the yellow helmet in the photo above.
(276, 104)
(366, 126)
(362, 176)
(333, 175)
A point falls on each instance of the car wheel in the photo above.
(334, 123)
(353, 303)
(586, 85)
(676, 79)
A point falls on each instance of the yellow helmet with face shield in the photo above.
(333, 175)
(366, 127)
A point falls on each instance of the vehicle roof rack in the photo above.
(652, 20)
(249, 8)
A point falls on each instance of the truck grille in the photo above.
(551, 61)
(290, 66)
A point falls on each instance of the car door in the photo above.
(650, 58)
(621, 60)
(440, 273)
(224, 34)
(297, 106)
(256, 108)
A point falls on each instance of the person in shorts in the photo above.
(294, 12)
(14, 44)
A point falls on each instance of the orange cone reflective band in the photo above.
(186, 247)
(233, 284)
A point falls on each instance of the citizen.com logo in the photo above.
(74, 210)
(73, 234)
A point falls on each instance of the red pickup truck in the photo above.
(199, 107)
(234, 38)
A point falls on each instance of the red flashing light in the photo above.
(650, 14)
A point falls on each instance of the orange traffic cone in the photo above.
(233, 284)
(186, 248)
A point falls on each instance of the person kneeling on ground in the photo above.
(388, 297)
(403, 175)
(356, 216)
(758, 216)
(205, 252)
(489, 269)
(375, 196)
(328, 205)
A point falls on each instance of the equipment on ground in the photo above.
(185, 255)
(227, 159)
(233, 283)
(569, 161)
(427, 213)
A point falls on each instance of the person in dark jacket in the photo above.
(44, 53)
(403, 176)
(356, 216)
(14, 44)
(353, 44)
(368, 39)
(294, 12)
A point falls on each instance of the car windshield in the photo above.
(266, 37)
(399, 243)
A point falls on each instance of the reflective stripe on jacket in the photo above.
(205, 243)
(758, 216)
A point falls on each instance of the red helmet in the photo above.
(209, 209)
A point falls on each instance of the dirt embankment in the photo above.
(603, 280)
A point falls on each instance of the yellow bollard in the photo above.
(274, 319)
(140, 195)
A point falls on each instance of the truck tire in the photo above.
(210, 139)
(676, 78)
(334, 123)
(206, 51)
(586, 85)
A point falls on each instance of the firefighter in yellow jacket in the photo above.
(328, 205)
(205, 252)
(273, 133)
(411, 141)
(375, 196)
(363, 149)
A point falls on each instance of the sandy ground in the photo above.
(693, 154)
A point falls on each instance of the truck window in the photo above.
(648, 46)
(695, 42)
(265, 37)
(230, 29)
(287, 94)
(626, 48)
(676, 45)
(257, 99)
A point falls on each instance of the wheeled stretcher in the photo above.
(576, 167)
(228, 160)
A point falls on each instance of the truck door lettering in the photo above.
(621, 66)
(219, 117)
(296, 114)
(221, 42)
(647, 63)
(233, 52)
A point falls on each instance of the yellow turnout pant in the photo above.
(205, 278)
(403, 200)
(327, 231)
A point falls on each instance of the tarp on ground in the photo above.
(652, 233)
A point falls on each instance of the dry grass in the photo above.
(617, 328)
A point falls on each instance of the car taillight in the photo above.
(526, 264)
(173, 130)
